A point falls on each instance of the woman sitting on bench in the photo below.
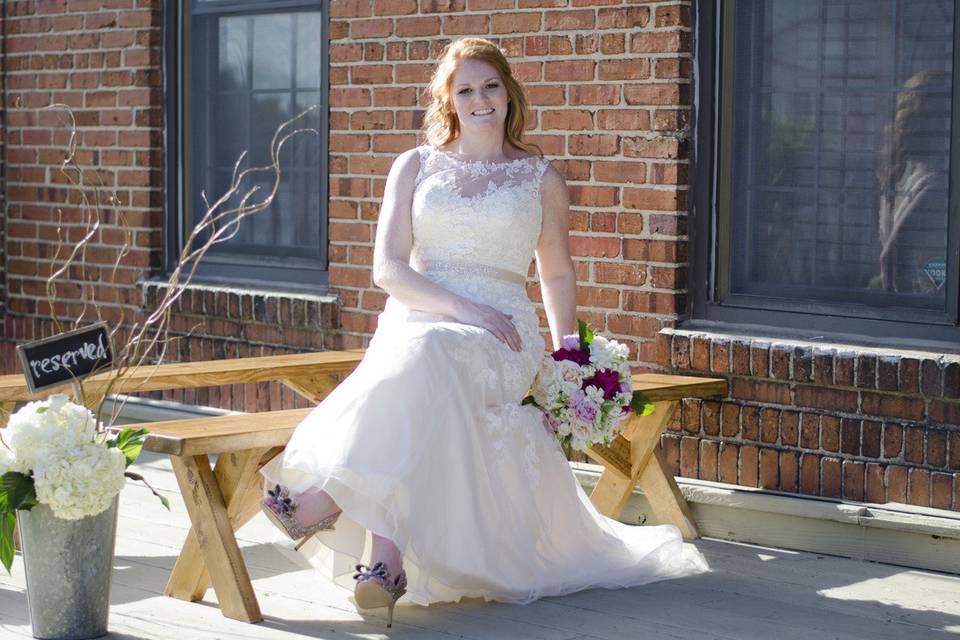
(426, 444)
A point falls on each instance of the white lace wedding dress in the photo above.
(426, 442)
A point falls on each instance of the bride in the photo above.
(425, 445)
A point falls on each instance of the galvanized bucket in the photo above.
(68, 565)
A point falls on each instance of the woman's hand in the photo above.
(494, 321)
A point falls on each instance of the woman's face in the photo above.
(479, 97)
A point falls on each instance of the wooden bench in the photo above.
(222, 499)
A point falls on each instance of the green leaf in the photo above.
(16, 492)
(640, 404)
(41, 409)
(586, 335)
(139, 478)
(8, 523)
(130, 442)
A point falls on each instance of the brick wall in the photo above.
(608, 84)
(831, 420)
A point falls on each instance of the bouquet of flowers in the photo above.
(583, 388)
(53, 453)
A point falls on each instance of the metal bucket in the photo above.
(68, 565)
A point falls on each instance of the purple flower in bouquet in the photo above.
(586, 410)
(607, 380)
(576, 355)
(570, 342)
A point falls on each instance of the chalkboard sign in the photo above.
(66, 356)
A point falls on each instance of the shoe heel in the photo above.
(377, 591)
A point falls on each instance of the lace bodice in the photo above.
(476, 212)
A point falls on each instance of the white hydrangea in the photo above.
(41, 427)
(80, 482)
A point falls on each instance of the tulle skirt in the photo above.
(426, 444)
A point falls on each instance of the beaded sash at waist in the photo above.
(472, 269)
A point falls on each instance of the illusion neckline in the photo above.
(459, 158)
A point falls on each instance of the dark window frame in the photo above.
(255, 272)
(709, 247)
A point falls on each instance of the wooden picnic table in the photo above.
(222, 500)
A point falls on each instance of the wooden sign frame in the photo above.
(77, 342)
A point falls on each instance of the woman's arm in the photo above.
(391, 260)
(558, 280)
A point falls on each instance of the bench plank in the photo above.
(205, 373)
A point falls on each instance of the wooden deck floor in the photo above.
(752, 593)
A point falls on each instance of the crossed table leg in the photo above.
(219, 501)
(634, 458)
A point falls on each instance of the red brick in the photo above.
(594, 246)
(594, 94)
(593, 145)
(689, 457)
(941, 490)
(830, 433)
(621, 172)
(512, 22)
(664, 148)
(954, 460)
(810, 474)
(623, 119)
(821, 398)
(875, 491)
(673, 16)
(789, 471)
(660, 42)
(789, 428)
(913, 445)
(680, 352)
(469, 25)
(769, 468)
(853, 480)
(749, 466)
(653, 302)
(394, 7)
(896, 484)
(569, 20)
(728, 463)
(719, 355)
(622, 274)
(672, 68)
(870, 439)
(809, 431)
(656, 94)
(654, 250)
(638, 69)
(422, 26)
(850, 436)
(831, 477)
(908, 375)
(623, 18)
(936, 448)
(931, 378)
(750, 423)
(892, 440)
(709, 454)
(919, 487)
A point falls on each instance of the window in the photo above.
(234, 72)
(824, 170)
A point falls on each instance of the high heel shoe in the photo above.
(375, 589)
(280, 507)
